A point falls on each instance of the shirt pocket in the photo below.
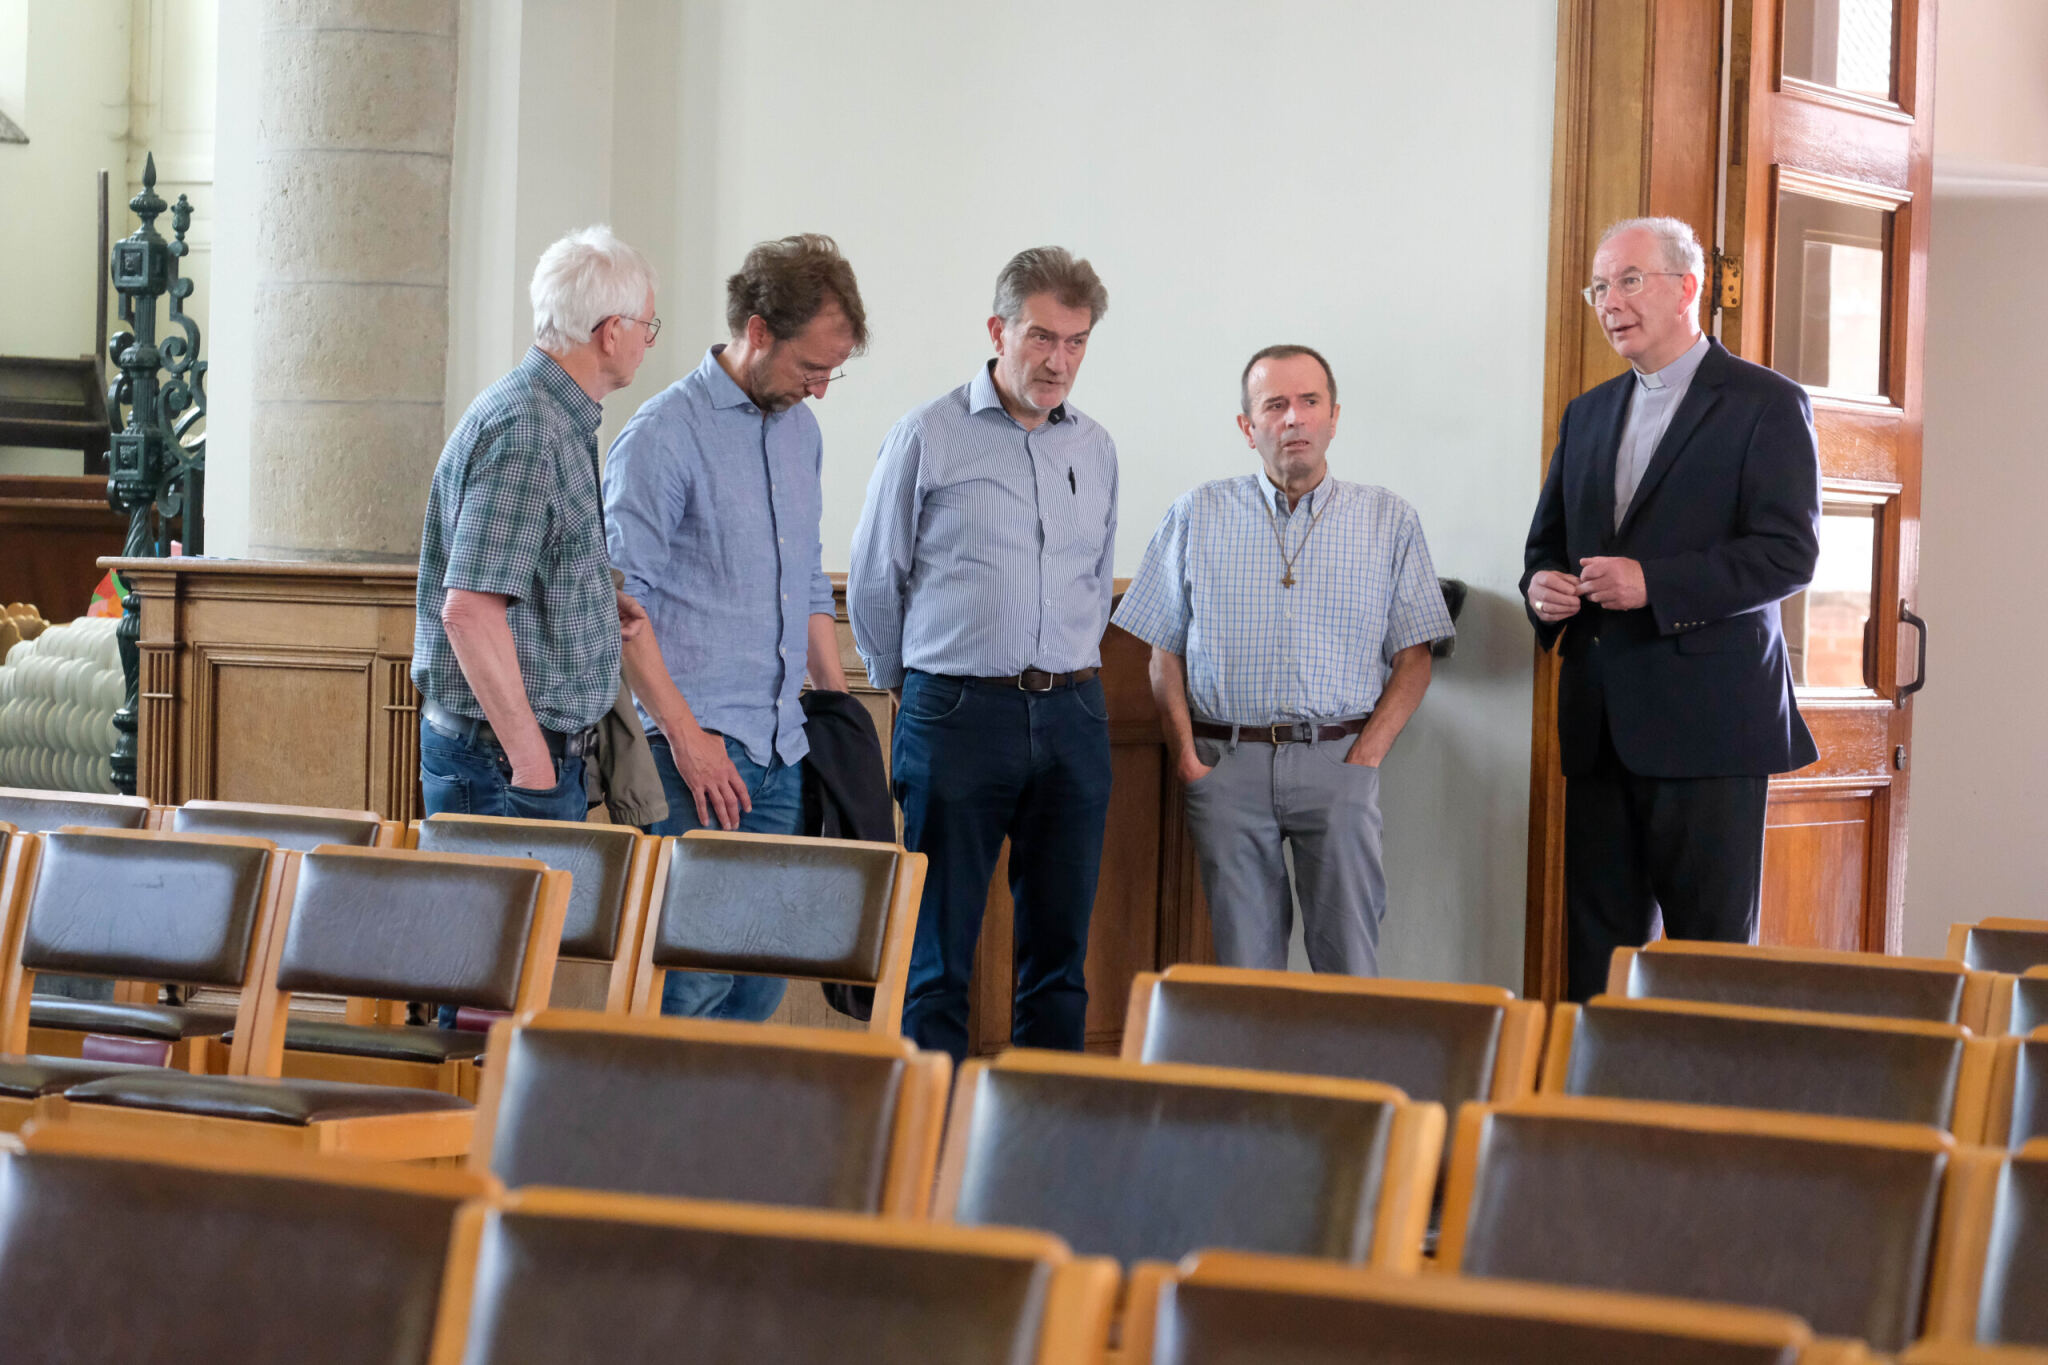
(1085, 528)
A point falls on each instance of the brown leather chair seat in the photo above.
(1783, 1060)
(166, 1022)
(1844, 987)
(257, 1100)
(43, 811)
(398, 1042)
(1996, 947)
(2029, 1002)
(2013, 1308)
(27, 1077)
(302, 830)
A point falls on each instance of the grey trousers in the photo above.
(1260, 796)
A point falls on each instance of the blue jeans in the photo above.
(777, 792)
(473, 777)
(972, 764)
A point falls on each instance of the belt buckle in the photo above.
(1027, 673)
(1274, 736)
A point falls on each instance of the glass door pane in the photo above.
(1845, 44)
(1827, 627)
(1827, 325)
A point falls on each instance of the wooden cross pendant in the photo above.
(1288, 580)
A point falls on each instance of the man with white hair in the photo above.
(1682, 504)
(516, 651)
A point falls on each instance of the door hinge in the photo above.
(1728, 281)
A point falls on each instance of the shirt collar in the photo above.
(1679, 372)
(725, 391)
(1276, 497)
(982, 395)
(548, 372)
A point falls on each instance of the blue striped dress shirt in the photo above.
(984, 548)
(1209, 589)
(711, 510)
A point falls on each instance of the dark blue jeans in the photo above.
(473, 777)
(973, 764)
(777, 792)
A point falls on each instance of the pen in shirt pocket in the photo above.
(1072, 487)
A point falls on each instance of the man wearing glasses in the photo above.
(712, 503)
(978, 593)
(1682, 504)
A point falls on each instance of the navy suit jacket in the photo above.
(1726, 524)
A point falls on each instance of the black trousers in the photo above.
(1691, 848)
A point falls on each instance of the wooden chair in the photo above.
(1233, 1307)
(1836, 1220)
(611, 870)
(2000, 944)
(1991, 1291)
(129, 905)
(775, 905)
(1804, 979)
(560, 1275)
(124, 1251)
(1961, 1353)
(299, 828)
(1152, 1161)
(2021, 1003)
(361, 922)
(2017, 1112)
(709, 1109)
(40, 812)
(1799, 1061)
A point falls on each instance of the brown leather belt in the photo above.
(1038, 680)
(1285, 732)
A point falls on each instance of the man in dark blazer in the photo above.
(1681, 506)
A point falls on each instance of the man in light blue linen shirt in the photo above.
(978, 593)
(1290, 616)
(712, 503)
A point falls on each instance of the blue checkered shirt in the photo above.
(514, 511)
(1209, 590)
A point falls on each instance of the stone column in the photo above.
(354, 143)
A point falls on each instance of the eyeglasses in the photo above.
(653, 325)
(811, 379)
(1630, 285)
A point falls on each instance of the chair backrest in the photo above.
(145, 905)
(1832, 1219)
(2018, 1109)
(1804, 979)
(125, 1251)
(774, 905)
(300, 828)
(1991, 1286)
(565, 1275)
(610, 867)
(1431, 1040)
(1150, 1160)
(38, 812)
(706, 1109)
(396, 924)
(1228, 1308)
(2000, 944)
(2029, 1008)
(1684, 1052)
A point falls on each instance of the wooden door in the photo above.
(1828, 190)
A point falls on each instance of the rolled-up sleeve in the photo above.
(644, 496)
(1419, 616)
(1156, 605)
(884, 549)
(501, 525)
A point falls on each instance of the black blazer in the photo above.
(1726, 524)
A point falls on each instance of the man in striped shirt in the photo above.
(978, 594)
(1290, 616)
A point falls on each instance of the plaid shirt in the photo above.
(1209, 590)
(514, 510)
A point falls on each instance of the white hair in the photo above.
(584, 278)
(1674, 236)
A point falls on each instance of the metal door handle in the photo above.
(1920, 670)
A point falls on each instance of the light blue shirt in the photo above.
(985, 549)
(1257, 652)
(1652, 403)
(711, 512)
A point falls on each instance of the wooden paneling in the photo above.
(55, 529)
(1817, 851)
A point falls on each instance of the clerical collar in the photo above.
(1679, 372)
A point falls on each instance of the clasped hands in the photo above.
(1614, 582)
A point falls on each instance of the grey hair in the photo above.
(1674, 236)
(586, 277)
(1049, 270)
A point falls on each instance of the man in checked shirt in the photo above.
(1290, 616)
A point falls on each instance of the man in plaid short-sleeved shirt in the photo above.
(517, 646)
(1290, 617)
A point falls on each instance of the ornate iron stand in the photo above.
(157, 468)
